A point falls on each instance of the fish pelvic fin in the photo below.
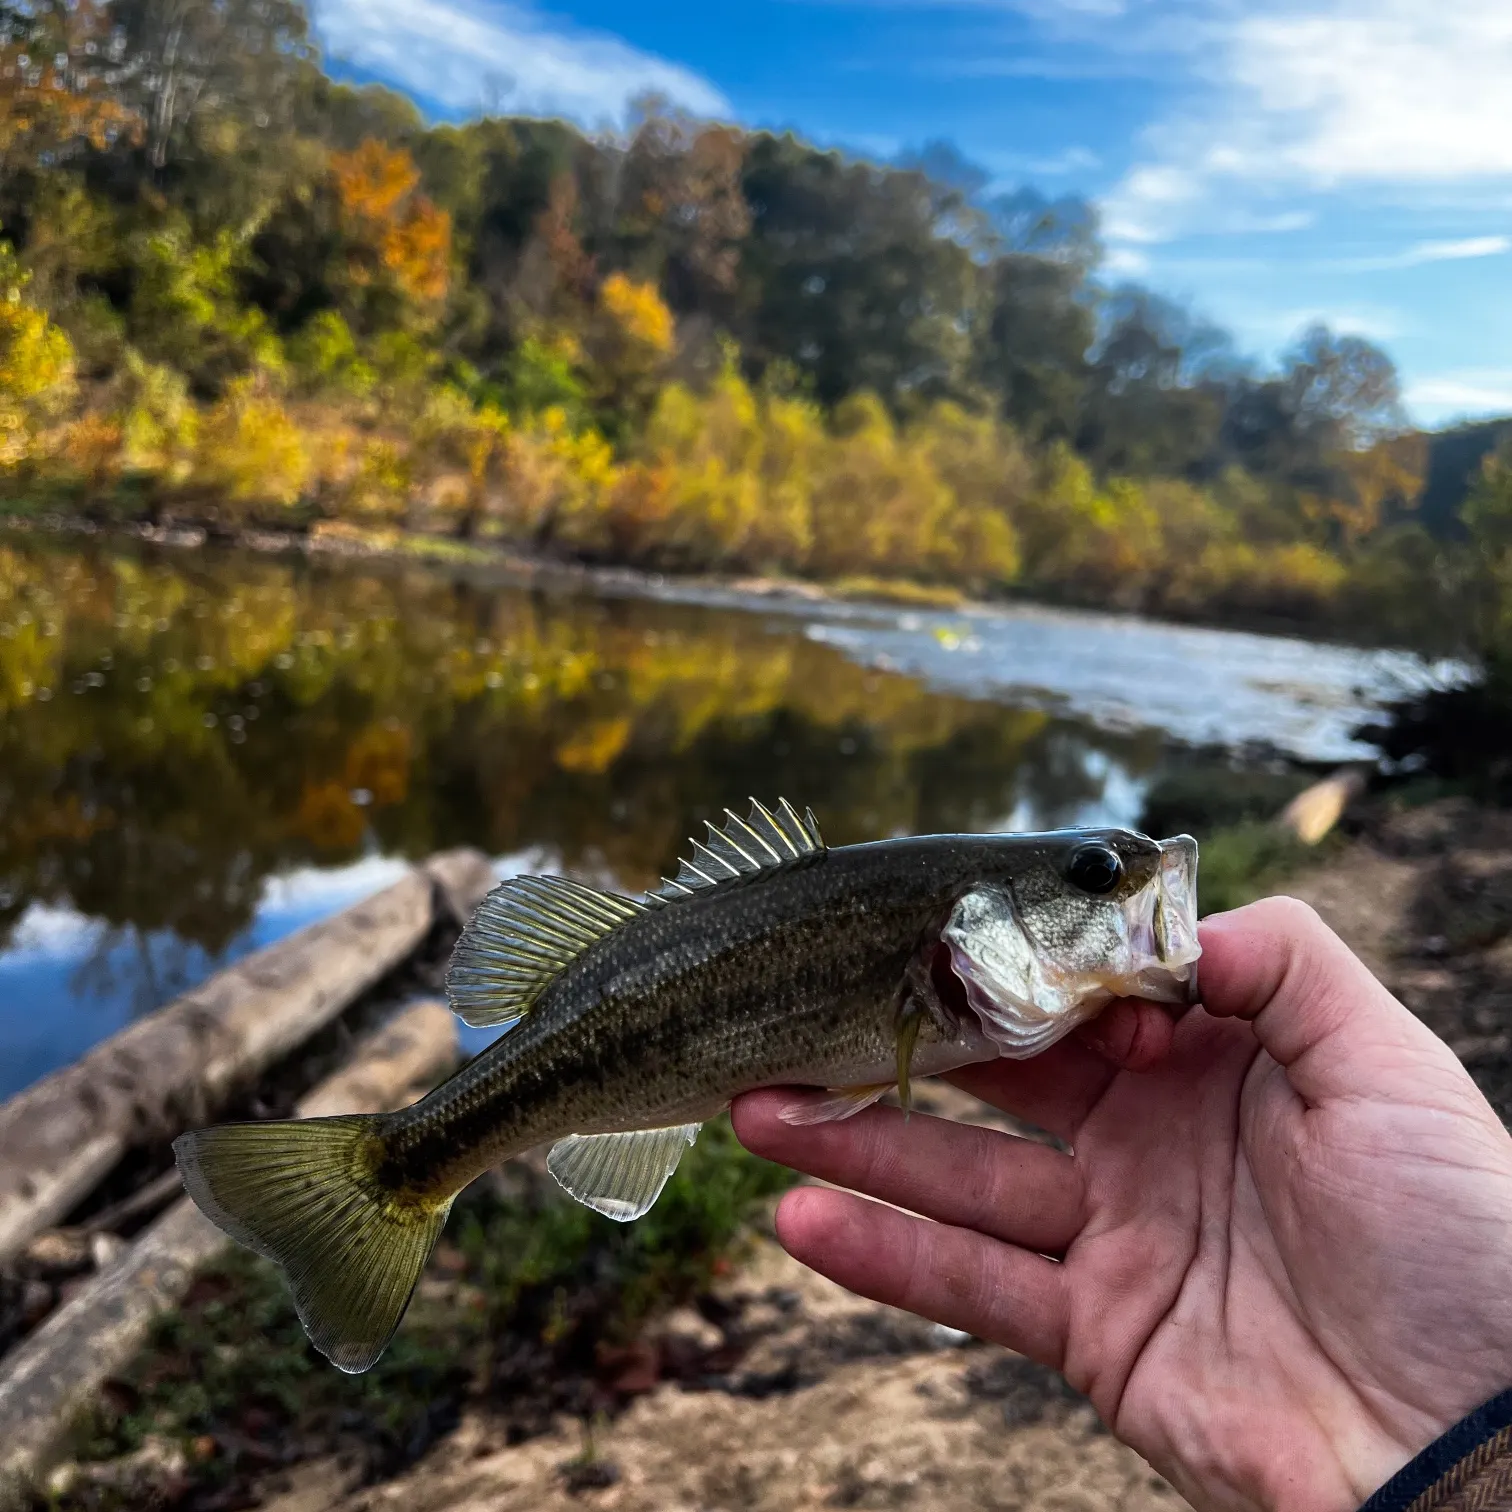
(842, 1102)
(744, 849)
(306, 1194)
(619, 1175)
(522, 935)
(910, 1021)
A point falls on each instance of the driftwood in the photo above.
(59, 1137)
(52, 1374)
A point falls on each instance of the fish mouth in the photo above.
(1161, 922)
(1027, 995)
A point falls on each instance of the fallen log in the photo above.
(177, 1066)
(53, 1373)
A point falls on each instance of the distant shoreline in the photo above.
(341, 539)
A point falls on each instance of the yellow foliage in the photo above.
(593, 747)
(36, 364)
(557, 482)
(250, 451)
(639, 313)
(710, 447)
(382, 482)
(631, 338)
(879, 505)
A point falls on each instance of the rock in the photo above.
(686, 1328)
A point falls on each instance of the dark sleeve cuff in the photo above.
(1468, 1470)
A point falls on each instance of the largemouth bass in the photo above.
(769, 960)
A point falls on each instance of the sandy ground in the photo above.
(881, 1412)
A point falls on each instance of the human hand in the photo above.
(1279, 1260)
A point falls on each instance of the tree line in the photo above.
(234, 288)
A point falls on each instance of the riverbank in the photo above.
(502, 561)
(765, 1388)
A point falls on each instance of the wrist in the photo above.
(1469, 1467)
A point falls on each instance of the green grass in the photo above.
(898, 591)
(1248, 861)
(523, 1298)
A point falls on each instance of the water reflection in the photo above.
(175, 730)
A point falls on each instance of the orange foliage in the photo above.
(395, 227)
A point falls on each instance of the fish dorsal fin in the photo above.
(743, 849)
(523, 933)
(619, 1175)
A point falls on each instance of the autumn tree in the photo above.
(187, 65)
(398, 240)
(681, 213)
(854, 274)
(58, 66)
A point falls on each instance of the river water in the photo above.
(200, 752)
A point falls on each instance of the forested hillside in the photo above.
(232, 289)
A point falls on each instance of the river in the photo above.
(201, 751)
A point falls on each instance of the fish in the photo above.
(769, 959)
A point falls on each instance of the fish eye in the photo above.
(1094, 869)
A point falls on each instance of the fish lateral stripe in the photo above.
(762, 842)
(524, 933)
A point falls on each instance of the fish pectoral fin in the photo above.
(523, 933)
(843, 1102)
(619, 1175)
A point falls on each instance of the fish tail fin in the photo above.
(309, 1194)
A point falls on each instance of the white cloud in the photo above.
(1386, 95)
(1126, 262)
(1423, 252)
(467, 55)
(1450, 396)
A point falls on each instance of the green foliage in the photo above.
(541, 375)
(1247, 862)
(324, 355)
(185, 311)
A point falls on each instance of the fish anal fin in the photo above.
(522, 934)
(619, 1175)
(843, 1102)
(742, 849)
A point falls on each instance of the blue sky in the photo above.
(1269, 161)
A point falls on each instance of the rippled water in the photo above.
(199, 752)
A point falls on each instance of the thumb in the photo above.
(1316, 1008)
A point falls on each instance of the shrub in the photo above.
(251, 453)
